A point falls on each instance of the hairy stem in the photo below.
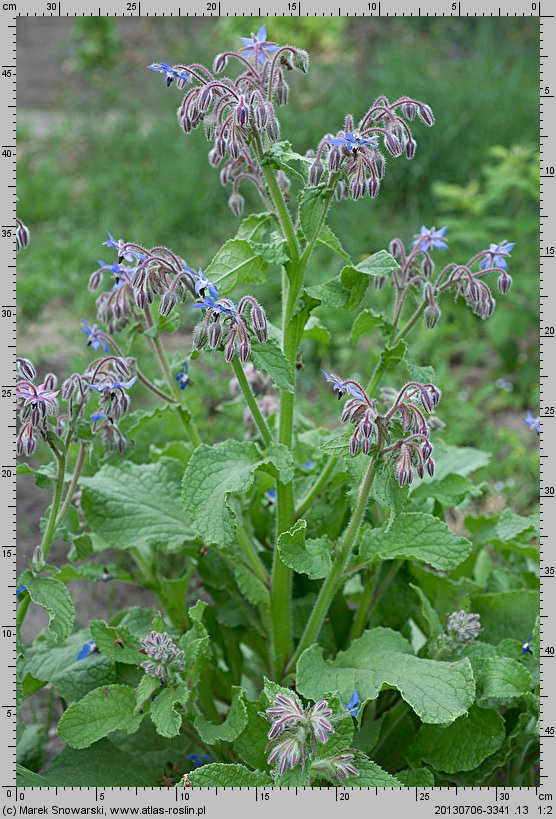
(252, 402)
(73, 484)
(330, 585)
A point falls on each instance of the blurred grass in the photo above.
(119, 162)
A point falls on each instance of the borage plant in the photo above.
(318, 620)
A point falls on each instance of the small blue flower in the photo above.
(341, 387)
(495, 256)
(351, 142)
(216, 305)
(354, 705)
(170, 73)
(308, 465)
(258, 44)
(20, 591)
(430, 238)
(115, 385)
(202, 283)
(532, 422)
(198, 759)
(87, 648)
(92, 334)
(271, 496)
(129, 255)
(114, 268)
(183, 378)
(526, 647)
(97, 416)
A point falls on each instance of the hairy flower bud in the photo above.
(316, 172)
(504, 282)
(261, 117)
(334, 159)
(273, 128)
(26, 369)
(22, 235)
(340, 191)
(357, 188)
(282, 91)
(258, 320)
(230, 351)
(409, 110)
(426, 115)
(95, 280)
(379, 164)
(242, 112)
(354, 444)
(236, 203)
(393, 145)
(214, 158)
(234, 148)
(396, 248)
(300, 61)
(200, 336)
(410, 148)
(430, 467)
(204, 99)
(244, 351)
(214, 334)
(220, 63)
(431, 315)
(167, 303)
(374, 187)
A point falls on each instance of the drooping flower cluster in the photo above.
(462, 630)
(295, 730)
(36, 403)
(262, 387)
(228, 326)
(353, 158)
(165, 657)
(414, 399)
(417, 271)
(238, 114)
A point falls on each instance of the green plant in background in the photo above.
(330, 607)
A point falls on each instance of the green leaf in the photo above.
(328, 239)
(118, 644)
(391, 356)
(29, 779)
(450, 491)
(252, 742)
(52, 596)
(214, 472)
(132, 422)
(237, 262)
(506, 614)
(131, 505)
(388, 492)
(31, 741)
(438, 692)
(425, 375)
(312, 205)
(269, 357)
(371, 775)
(366, 321)
(251, 587)
(145, 689)
(511, 525)
(378, 264)
(57, 663)
(233, 725)
(500, 679)
(462, 745)
(355, 279)
(311, 557)
(430, 615)
(458, 460)
(223, 775)
(331, 293)
(106, 709)
(254, 227)
(316, 330)
(417, 536)
(167, 720)
(337, 443)
(415, 778)
(272, 252)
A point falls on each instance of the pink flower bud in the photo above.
(431, 316)
(204, 99)
(374, 187)
(393, 145)
(236, 203)
(220, 63)
(410, 148)
(409, 110)
(334, 159)
(504, 282)
(244, 351)
(214, 334)
(316, 172)
(426, 115)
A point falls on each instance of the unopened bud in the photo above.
(410, 148)
(379, 164)
(365, 446)
(431, 315)
(204, 99)
(396, 248)
(316, 172)
(409, 110)
(261, 117)
(357, 188)
(95, 280)
(430, 467)
(258, 320)
(236, 203)
(374, 187)
(26, 369)
(334, 159)
(229, 351)
(214, 334)
(273, 129)
(283, 181)
(244, 351)
(220, 63)
(393, 145)
(234, 148)
(21, 236)
(426, 115)
(200, 336)
(340, 191)
(504, 282)
(50, 381)
(300, 61)
(214, 158)
(242, 112)
(282, 92)
(167, 303)
(354, 445)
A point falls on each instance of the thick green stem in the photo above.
(330, 585)
(410, 323)
(53, 515)
(251, 555)
(316, 489)
(73, 484)
(252, 402)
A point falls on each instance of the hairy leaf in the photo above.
(106, 709)
(52, 596)
(222, 775)
(269, 358)
(118, 644)
(233, 725)
(311, 557)
(164, 714)
(237, 262)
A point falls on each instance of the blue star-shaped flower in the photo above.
(532, 422)
(496, 255)
(183, 378)
(97, 416)
(430, 238)
(170, 73)
(114, 268)
(271, 496)
(210, 302)
(87, 648)
(341, 387)
(92, 334)
(115, 385)
(202, 284)
(258, 45)
(351, 142)
(354, 705)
